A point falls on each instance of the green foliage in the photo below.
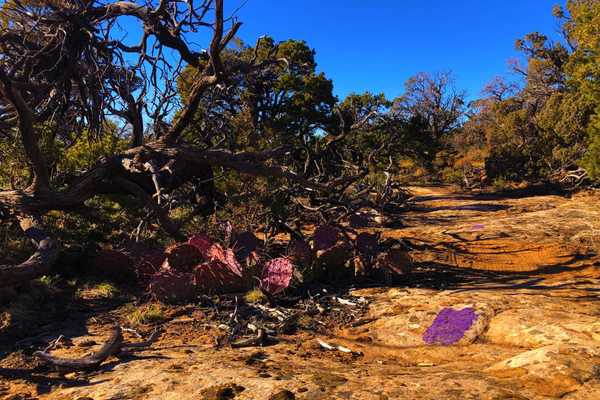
(88, 149)
(548, 126)
(592, 158)
(584, 70)
(285, 102)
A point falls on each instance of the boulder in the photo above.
(530, 328)
(551, 371)
(277, 275)
(182, 257)
(172, 286)
(218, 277)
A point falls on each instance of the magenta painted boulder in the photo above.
(218, 277)
(172, 286)
(202, 243)
(182, 257)
(277, 275)
(450, 326)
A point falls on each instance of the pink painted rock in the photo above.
(367, 243)
(182, 257)
(113, 265)
(172, 286)
(277, 275)
(202, 243)
(225, 256)
(325, 236)
(218, 277)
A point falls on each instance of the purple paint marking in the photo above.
(478, 227)
(450, 326)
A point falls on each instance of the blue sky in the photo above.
(376, 45)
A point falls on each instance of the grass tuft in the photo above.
(145, 314)
(255, 296)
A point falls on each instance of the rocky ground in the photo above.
(525, 265)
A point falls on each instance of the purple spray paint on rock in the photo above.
(450, 326)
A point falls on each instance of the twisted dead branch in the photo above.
(113, 346)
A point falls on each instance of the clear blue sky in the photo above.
(376, 45)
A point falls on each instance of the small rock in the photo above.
(222, 392)
(283, 395)
(85, 343)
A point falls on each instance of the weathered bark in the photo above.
(113, 346)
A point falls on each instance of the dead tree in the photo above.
(65, 68)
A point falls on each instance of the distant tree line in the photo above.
(540, 125)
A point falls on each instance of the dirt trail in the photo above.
(525, 265)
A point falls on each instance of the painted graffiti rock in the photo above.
(202, 243)
(218, 277)
(172, 286)
(406, 317)
(450, 326)
(277, 275)
(182, 257)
